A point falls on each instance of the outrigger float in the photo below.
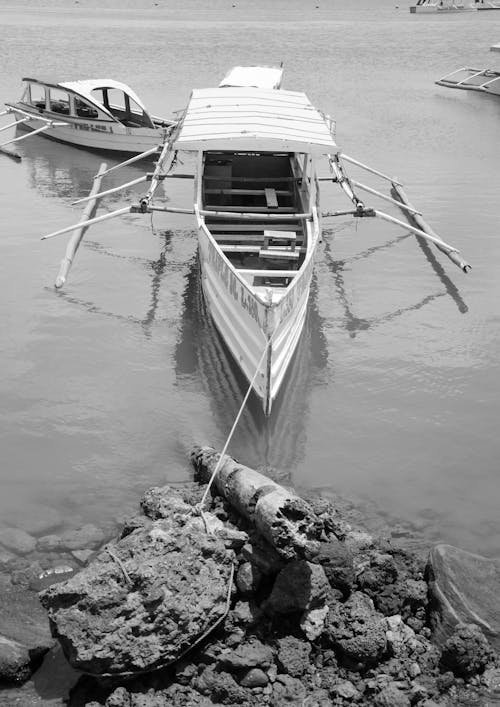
(257, 209)
(96, 114)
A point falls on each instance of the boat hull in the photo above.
(441, 9)
(259, 335)
(98, 135)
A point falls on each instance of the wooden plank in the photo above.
(271, 198)
(251, 209)
(278, 254)
(246, 248)
(215, 226)
(279, 236)
(248, 192)
(268, 273)
(211, 177)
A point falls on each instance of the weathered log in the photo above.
(283, 519)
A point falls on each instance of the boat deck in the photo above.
(256, 200)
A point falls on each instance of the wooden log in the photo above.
(284, 519)
(79, 232)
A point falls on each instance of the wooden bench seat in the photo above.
(279, 254)
(267, 273)
(217, 227)
(248, 248)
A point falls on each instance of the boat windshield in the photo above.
(122, 107)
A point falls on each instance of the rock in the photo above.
(262, 555)
(245, 613)
(82, 556)
(293, 656)
(26, 576)
(252, 654)
(391, 696)
(347, 691)
(143, 601)
(465, 587)
(17, 541)
(491, 680)
(82, 539)
(299, 586)
(6, 557)
(357, 540)
(221, 687)
(336, 559)
(35, 519)
(312, 622)
(24, 634)
(248, 578)
(358, 631)
(467, 651)
(49, 543)
(255, 678)
(287, 690)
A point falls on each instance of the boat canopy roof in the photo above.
(85, 87)
(256, 76)
(253, 119)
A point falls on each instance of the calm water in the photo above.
(393, 397)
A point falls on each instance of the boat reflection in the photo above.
(67, 172)
(272, 444)
(354, 324)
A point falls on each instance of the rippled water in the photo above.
(393, 396)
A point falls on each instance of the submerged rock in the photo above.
(17, 541)
(142, 602)
(24, 634)
(466, 590)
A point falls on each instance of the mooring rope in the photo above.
(235, 423)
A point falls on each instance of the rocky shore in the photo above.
(258, 598)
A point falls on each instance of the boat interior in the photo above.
(249, 192)
(117, 102)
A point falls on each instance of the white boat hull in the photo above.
(98, 135)
(247, 324)
(435, 8)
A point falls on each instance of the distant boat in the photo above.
(98, 114)
(441, 6)
(446, 6)
(468, 79)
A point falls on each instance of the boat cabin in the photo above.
(99, 100)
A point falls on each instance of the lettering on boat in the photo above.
(292, 299)
(93, 128)
(232, 284)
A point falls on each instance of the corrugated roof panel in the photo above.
(253, 119)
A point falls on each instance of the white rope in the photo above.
(228, 440)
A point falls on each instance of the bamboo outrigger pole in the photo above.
(79, 232)
(136, 158)
(452, 254)
(89, 222)
(92, 195)
(425, 232)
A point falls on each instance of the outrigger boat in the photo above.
(441, 6)
(447, 6)
(97, 114)
(468, 79)
(257, 210)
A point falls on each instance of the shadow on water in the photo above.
(202, 360)
(354, 324)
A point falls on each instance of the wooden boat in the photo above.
(468, 79)
(487, 5)
(257, 209)
(441, 6)
(97, 114)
